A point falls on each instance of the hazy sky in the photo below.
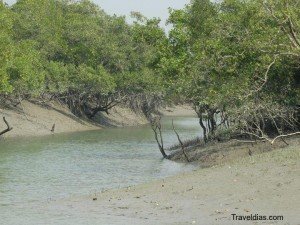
(149, 8)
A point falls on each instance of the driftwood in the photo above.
(53, 128)
(180, 142)
(9, 128)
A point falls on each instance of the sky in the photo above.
(149, 8)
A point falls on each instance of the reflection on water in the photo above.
(34, 170)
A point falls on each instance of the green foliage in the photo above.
(58, 46)
(219, 54)
(91, 80)
(57, 77)
(6, 47)
(25, 70)
(233, 57)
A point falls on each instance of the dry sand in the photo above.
(265, 184)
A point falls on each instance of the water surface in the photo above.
(37, 170)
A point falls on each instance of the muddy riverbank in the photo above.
(32, 119)
(266, 184)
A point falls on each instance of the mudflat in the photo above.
(266, 184)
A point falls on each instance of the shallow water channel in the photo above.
(36, 170)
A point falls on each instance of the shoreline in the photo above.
(34, 120)
(264, 184)
(178, 110)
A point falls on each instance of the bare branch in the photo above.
(181, 144)
(284, 135)
(156, 127)
(272, 141)
(9, 128)
(265, 79)
(292, 32)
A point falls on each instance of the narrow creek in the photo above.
(35, 170)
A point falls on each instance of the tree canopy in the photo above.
(74, 51)
(236, 58)
(236, 61)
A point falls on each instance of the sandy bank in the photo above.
(32, 119)
(178, 110)
(265, 184)
(121, 116)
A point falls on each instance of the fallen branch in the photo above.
(273, 140)
(9, 128)
(285, 135)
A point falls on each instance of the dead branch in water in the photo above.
(9, 128)
(180, 142)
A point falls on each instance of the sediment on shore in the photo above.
(32, 118)
(36, 119)
(216, 153)
(264, 184)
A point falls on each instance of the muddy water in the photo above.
(34, 171)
